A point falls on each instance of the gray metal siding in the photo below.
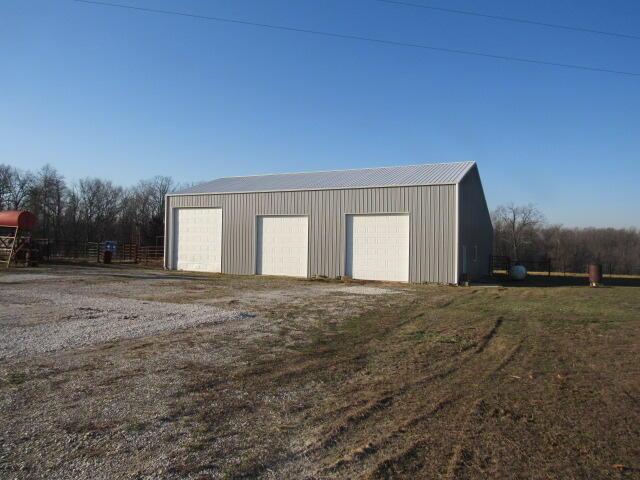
(431, 209)
(475, 224)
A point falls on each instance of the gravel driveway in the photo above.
(62, 308)
(35, 321)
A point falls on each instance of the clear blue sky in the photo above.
(106, 92)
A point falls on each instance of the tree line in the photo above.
(89, 210)
(521, 232)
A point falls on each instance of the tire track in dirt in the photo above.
(480, 347)
(474, 349)
(387, 462)
(383, 468)
(384, 400)
(357, 417)
(372, 447)
(509, 357)
(460, 454)
(352, 425)
(486, 339)
(358, 420)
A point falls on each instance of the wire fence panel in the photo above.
(94, 251)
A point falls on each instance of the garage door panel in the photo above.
(282, 245)
(198, 239)
(378, 247)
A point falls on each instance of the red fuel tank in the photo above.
(18, 218)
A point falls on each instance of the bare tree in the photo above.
(47, 199)
(72, 219)
(100, 203)
(517, 226)
(142, 213)
(159, 187)
(5, 173)
(15, 186)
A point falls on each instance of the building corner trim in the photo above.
(457, 236)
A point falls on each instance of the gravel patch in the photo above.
(362, 290)
(26, 277)
(78, 320)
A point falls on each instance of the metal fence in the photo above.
(504, 263)
(607, 269)
(151, 254)
(94, 251)
(501, 262)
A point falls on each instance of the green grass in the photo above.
(557, 307)
(16, 378)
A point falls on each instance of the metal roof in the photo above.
(407, 175)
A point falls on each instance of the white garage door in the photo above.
(378, 247)
(282, 246)
(198, 239)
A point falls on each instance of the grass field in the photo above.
(534, 380)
